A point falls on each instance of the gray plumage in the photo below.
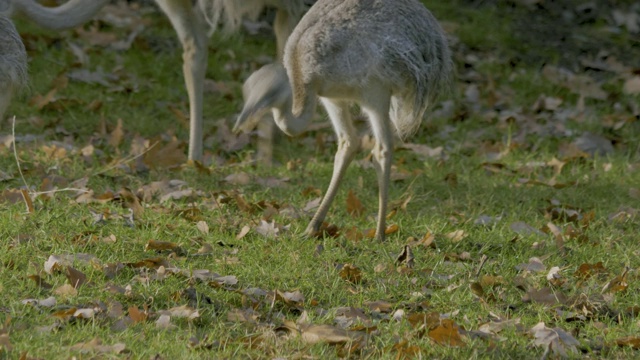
(388, 56)
(354, 42)
(13, 63)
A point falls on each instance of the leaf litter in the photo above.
(584, 292)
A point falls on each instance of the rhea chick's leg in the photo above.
(378, 113)
(191, 31)
(347, 146)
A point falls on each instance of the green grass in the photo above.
(446, 195)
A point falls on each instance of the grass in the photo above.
(445, 195)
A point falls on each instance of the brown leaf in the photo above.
(428, 241)
(354, 206)
(429, 321)
(405, 351)
(488, 280)
(64, 314)
(477, 289)
(617, 284)
(131, 201)
(117, 135)
(391, 229)
(545, 296)
(5, 344)
(76, 278)
(40, 282)
(162, 246)
(405, 257)
(354, 234)
(39, 101)
(313, 334)
(447, 333)
(66, 290)
(456, 236)
(151, 263)
(380, 306)
(96, 346)
(371, 233)
(170, 155)
(630, 341)
(586, 270)
(137, 315)
(294, 299)
(351, 273)
(243, 315)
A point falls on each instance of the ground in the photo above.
(512, 226)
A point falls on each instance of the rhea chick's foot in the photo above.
(388, 56)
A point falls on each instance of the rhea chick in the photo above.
(388, 56)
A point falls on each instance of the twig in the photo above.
(15, 151)
(36, 193)
(126, 160)
(483, 260)
(26, 196)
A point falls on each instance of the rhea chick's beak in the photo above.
(266, 89)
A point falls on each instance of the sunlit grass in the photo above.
(447, 194)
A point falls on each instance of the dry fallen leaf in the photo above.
(630, 341)
(446, 333)
(632, 86)
(405, 257)
(131, 201)
(456, 236)
(96, 346)
(162, 246)
(137, 315)
(354, 206)
(203, 227)
(617, 284)
(351, 273)
(556, 341)
(545, 296)
(586, 270)
(117, 135)
(76, 278)
(66, 290)
(313, 334)
(534, 265)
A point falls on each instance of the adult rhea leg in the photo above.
(347, 146)
(191, 31)
(378, 113)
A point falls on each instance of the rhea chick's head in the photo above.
(266, 89)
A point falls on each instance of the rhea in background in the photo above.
(13, 63)
(192, 20)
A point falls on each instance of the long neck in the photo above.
(289, 123)
(71, 14)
